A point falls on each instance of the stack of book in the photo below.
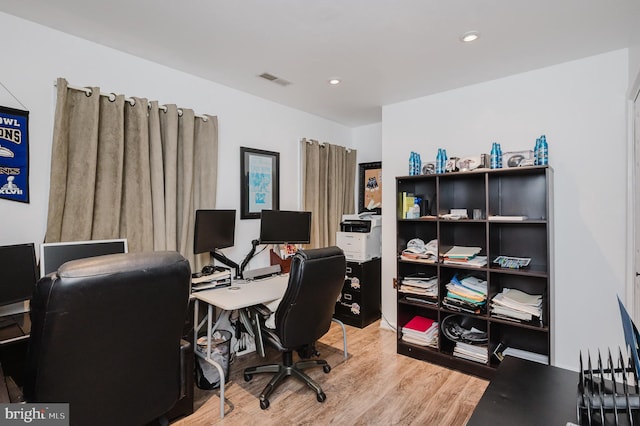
(407, 201)
(423, 286)
(516, 305)
(471, 352)
(466, 295)
(461, 255)
(421, 331)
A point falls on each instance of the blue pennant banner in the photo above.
(14, 154)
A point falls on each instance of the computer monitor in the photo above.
(285, 227)
(19, 273)
(214, 229)
(54, 255)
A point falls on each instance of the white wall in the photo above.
(35, 56)
(634, 60)
(368, 141)
(580, 106)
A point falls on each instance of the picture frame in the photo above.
(259, 182)
(370, 187)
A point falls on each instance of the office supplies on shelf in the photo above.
(476, 261)
(512, 262)
(471, 352)
(462, 252)
(420, 285)
(466, 295)
(421, 331)
(514, 304)
(456, 329)
(503, 350)
(499, 218)
(467, 256)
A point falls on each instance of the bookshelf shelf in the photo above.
(521, 199)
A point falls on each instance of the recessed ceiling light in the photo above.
(469, 36)
(334, 81)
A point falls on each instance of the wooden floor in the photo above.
(374, 386)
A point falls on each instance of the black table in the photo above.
(527, 393)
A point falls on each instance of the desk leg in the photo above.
(207, 356)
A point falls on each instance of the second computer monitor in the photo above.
(282, 227)
(53, 255)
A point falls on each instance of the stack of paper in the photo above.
(466, 295)
(464, 255)
(531, 356)
(471, 352)
(422, 286)
(517, 305)
(421, 331)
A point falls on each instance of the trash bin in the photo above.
(207, 376)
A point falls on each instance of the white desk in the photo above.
(241, 294)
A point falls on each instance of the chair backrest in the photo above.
(315, 281)
(105, 337)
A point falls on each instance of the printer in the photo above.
(360, 236)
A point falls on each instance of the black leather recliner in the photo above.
(303, 316)
(105, 337)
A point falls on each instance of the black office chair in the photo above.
(105, 337)
(303, 316)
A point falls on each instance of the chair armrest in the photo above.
(261, 310)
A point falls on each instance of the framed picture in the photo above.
(259, 182)
(370, 194)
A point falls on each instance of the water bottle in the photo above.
(494, 155)
(536, 152)
(499, 156)
(439, 161)
(444, 160)
(544, 151)
(418, 165)
(412, 161)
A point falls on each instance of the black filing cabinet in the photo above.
(359, 302)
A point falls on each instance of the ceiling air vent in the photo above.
(274, 79)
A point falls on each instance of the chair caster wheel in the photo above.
(321, 397)
(248, 377)
(326, 368)
(264, 404)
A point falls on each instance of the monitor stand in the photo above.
(226, 261)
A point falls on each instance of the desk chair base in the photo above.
(284, 370)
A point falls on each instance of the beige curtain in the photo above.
(329, 173)
(128, 168)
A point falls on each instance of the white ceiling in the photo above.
(384, 51)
